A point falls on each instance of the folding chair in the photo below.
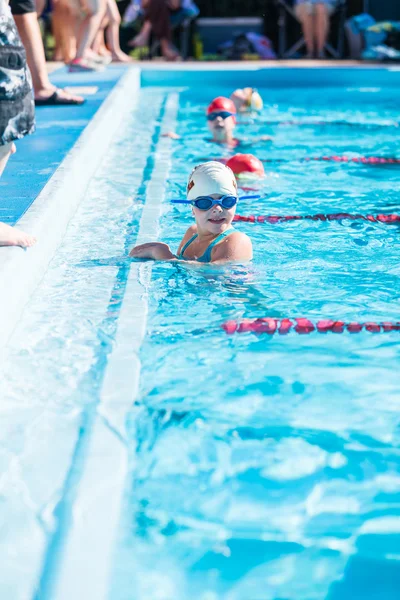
(287, 8)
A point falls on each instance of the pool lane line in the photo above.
(49, 215)
(338, 123)
(276, 219)
(86, 562)
(303, 326)
(92, 379)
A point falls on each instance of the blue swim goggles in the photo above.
(224, 114)
(206, 202)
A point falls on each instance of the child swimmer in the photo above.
(221, 121)
(247, 100)
(212, 192)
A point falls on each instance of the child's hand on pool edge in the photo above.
(153, 250)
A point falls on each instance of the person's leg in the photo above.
(143, 37)
(98, 45)
(158, 13)
(95, 11)
(29, 31)
(321, 27)
(112, 32)
(5, 152)
(304, 14)
(63, 26)
(10, 236)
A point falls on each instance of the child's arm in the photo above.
(152, 250)
(172, 135)
(159, 250)
(236, 247)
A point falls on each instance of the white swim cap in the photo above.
(211, 178)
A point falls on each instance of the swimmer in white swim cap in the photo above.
(247, 100)
(212, 194)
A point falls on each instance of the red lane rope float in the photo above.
(366, 160)
(274, 219)
(370, 160)
(303, 326)
(299, 123)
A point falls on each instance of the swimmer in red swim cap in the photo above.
(246, 165)
(221, 120)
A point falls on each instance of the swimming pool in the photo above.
(148, 455)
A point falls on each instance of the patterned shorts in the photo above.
(17, 107)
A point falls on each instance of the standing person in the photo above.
(314, 16)
(16, 108)
(24, 12)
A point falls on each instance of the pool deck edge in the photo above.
(48, 217)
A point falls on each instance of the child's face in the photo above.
(222, 129)
(215, 220)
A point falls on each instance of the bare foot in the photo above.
(10, 236)
(169, 53)
(121, 57)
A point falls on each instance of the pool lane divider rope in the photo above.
(275, 219)
(365, 160)
(298, 123)
(302, 326)
(85, 568)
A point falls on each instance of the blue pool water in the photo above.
(261, 468)
(269, 468)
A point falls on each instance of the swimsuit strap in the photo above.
(206, 257)
(187, 245)
(207, 254)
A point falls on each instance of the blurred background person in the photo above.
(157, 20)
(314, 17)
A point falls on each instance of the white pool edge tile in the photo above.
(86, 564)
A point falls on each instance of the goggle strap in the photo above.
(251, 197)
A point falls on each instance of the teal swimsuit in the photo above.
(206, 257)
